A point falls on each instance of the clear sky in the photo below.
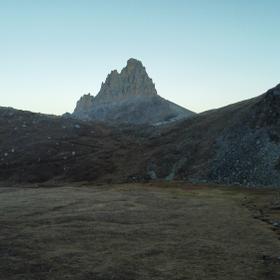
(201, 54)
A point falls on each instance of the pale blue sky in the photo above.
(201, 54)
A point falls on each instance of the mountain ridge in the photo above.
(235, 144)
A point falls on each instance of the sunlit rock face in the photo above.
(129, 97)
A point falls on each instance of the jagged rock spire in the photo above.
(133, 81)
(84, 104)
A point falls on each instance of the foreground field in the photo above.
(127, 232)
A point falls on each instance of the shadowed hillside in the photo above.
(237, 144)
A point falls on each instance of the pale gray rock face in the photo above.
(129, 97)
(84, 106)
(132, 82)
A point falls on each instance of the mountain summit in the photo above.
(132, 82)
(129, 97)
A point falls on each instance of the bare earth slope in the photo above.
(235, 144)
(35, 148)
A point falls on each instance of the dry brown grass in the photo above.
(153, 231)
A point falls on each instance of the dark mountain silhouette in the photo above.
(236, 144)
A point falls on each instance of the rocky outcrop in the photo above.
(129, 97)
(132, 82)
(84, 106)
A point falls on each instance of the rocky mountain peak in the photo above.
(132, 82)
(133, 63)
(129, 96)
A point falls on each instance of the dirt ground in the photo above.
(126, 232)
